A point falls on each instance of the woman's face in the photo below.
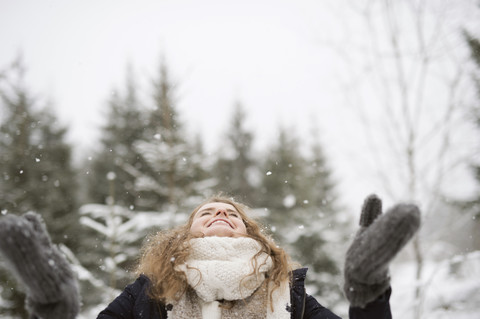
(218, 219)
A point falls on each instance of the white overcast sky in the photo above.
(267, 54)
(276, 57)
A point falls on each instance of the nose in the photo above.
(221, 211)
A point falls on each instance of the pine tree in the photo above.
(108, 183)
(325, 227)
(125, 125)
(176, 169)
(283, 174)
(235, 165)
(304, 215)
(35, 167)
(164, 145)
(147, 150)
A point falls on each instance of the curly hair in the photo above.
(163, 251)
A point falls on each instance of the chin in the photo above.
(220, 233)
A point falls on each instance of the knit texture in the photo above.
(379, 239)
(51, 287)
(192, 307)
(224, 268)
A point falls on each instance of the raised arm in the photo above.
(51, 287)
(377, 242)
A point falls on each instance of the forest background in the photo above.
(298, 109)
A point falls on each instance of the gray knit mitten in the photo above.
(51, 287)
(377, 242)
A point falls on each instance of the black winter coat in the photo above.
(134, 303)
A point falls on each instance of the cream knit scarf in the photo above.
(220, 268)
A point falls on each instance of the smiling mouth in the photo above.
(220, 221)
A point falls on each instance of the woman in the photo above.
(220, 265)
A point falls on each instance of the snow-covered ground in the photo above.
(450, 289)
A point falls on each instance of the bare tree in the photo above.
(407, 80)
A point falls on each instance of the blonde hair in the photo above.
(163, 251)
